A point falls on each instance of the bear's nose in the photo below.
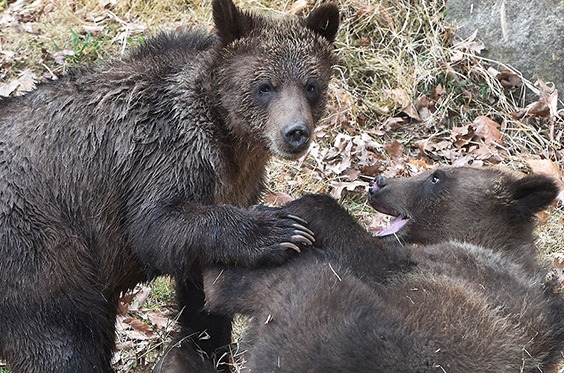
(296, 135)
(378, 183)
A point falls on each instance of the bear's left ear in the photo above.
(534, 193)
(324, 20)
(230, 23)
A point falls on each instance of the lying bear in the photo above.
(356, 303)
(147, 165)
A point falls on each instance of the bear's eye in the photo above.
(436, 178)
(265, 88)
(312, 91)
(264, 93)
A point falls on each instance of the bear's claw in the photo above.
(289, 245)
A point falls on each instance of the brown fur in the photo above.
(360, 303)
(467, 204)
(145, 166)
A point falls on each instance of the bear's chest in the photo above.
(242, 180)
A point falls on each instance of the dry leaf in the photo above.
(509, 79)
(487, 129)
(138, 325)
(412, 113)
(158, 319)
(437, 93)
(277, 198)
(420, 165)
(139, 298)
(337, 187)
(462, 136)
(399, 96)
(394, 123)
(470, 44)
(18, 87)
(546, 167)
(296, 7)
(394, 149)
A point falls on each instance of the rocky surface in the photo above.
(527, 35)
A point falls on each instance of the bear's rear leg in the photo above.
(58, 335)
(211, 333)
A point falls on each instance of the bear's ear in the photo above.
(230, 22)
(324, 20)
(534, 193)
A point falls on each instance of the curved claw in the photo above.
(304, 229)
(289, 245)
(303, 237)
(297, 218)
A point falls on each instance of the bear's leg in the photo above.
(209, 331)
(202, 334)
(67, 334)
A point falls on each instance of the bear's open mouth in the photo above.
(396, 224)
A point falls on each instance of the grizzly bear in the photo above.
(357, 303)
(427, 211)
(146, 166)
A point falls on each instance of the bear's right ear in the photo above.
(230, 22)
(324, 20)
(534, 193)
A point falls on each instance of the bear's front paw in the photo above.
(277, 235)
(301, 234)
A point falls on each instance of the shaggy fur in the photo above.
(145, 166)
(361, 304)
(468, 205)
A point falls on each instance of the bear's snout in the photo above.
(378, 183)
(296, 136)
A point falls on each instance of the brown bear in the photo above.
(357, 303)
(427, 211)
(147, 165)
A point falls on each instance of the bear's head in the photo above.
(484, 206)
(272, 75)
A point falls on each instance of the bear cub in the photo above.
(473, 301)
(147, 165)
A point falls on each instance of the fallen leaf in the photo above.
(138, 325)
(412, 113)
(462, 136)
(394, 149)
(161, 321)
(487, 129)
(470, 44)
(139, 298)
(399, 96)
(394, 123)
(419, 164)
(545, 167)
(18, 87)
(337, 187)
(277, 198)
(296, 7)
(509, 79)
(352, 174)
(437, 93)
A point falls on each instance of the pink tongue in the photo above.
(395, 225)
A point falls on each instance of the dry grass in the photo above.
(404, 78)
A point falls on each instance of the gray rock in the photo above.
(527, 35)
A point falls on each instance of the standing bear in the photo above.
(145, 166)
(357, 303)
